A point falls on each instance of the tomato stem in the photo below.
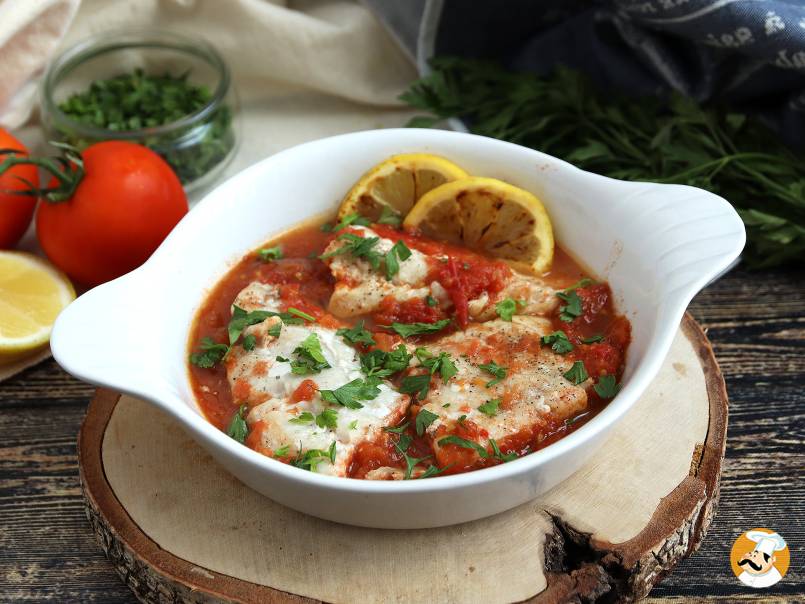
(67, 169)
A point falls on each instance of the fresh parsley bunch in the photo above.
(673, 141)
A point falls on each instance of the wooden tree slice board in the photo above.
(179, 528)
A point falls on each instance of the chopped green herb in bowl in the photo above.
(179, 102)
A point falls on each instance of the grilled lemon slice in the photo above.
(32, 294)
(490, 216)
(397, 183)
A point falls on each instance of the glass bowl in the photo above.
(197, 145)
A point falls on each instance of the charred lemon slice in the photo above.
(489, 216)
(32, 294)
(395, 185)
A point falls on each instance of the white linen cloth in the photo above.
(303, 69)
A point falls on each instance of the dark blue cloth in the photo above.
(749, 54)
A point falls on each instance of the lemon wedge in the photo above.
(488, 215)
(397, 183)
(32, 294)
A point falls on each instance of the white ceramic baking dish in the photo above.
(657, 245)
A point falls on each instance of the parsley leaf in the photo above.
(607, 386)
(309, 357)
(270, 253)
(593, 339)
(410, 462)
(583, 282)
(398, 253)
(358, 247)
(572, 309)
(357, 335)
(281, 452)
(275, 330)
(497, 454)
(463, 443)
(496, 370)
(506, 308)
(249, 342)
(350, 393)
(301, 314)
(416, 384)
(432, 471)
(241, 320)
(576, 374)
(558, 342)
(406, 330)
(327, 419)
(431, 301)
(397, 429)
(424, 419)
(237, 428)
(211, 353)
(490, 407)
(442, 364)
(310, 459)
(303, 418)
(383, 364)
(390, 217)
(353, 424)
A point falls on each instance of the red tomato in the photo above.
(15, 210)
(127, 202)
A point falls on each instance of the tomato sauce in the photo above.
(600, 337)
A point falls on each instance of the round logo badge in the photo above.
(760, 558)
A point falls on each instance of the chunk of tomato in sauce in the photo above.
(414, 310)
(304, 392)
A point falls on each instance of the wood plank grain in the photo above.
(756, 322)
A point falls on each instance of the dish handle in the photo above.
(108, 337)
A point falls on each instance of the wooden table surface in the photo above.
(756, 322)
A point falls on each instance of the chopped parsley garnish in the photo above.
(496, 370)
(607, 387)
(327, 419)
(282, 451)
(301, 314)
(461, 419)
(211, 353)
(358, 247)
(397, 429)
(464, 443)
(353, 424)
(268, 254)
(558, 342)
(497, 454)
(432, 471)
(424, 419)
(507, 307)
(309, 357)
(311, 458)
(303, 418)
(593, 339)
(390, 217)
(431, 301)
(275, 330)
(249, 342)
(237, 428)
(584, 282)
(399, 252)
(357, 335)
(572, 309)
(490, 407)
(282, 359)
(416, 384)
(442, 364)
(406, 330)
(382, 364)
(347, 220)
(576, 374)
(410, 462)
(350, 393)
(241, 320)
